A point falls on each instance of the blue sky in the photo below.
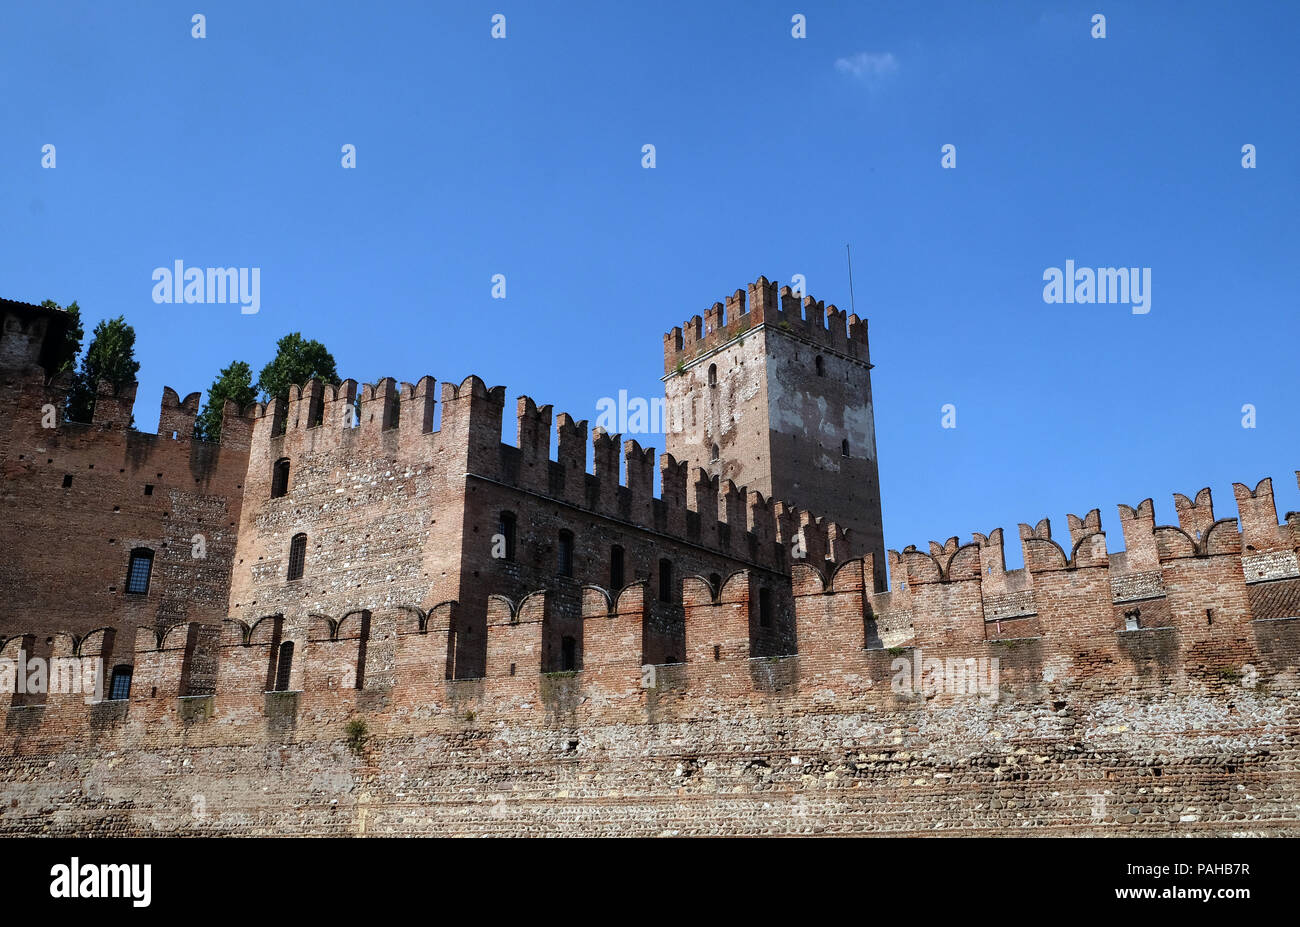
(522, 157)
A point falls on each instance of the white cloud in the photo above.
(868, 67)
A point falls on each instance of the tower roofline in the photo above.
(810, 320)
(721, 346)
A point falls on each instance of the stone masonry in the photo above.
(480, 639)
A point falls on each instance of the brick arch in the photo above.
(321, 627)
(109, 634)
(596, 598)
(263, 629)
(235, 632)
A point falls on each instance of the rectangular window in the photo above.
(284, 667)
(665, 581)
(616, 578)
(564, 554)
(280, 478)
(568, 654)
(120, 686)
(507, 529)
(139, 571)
(297, 555)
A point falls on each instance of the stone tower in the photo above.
(776, 396)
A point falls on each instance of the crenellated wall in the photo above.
(77, 497)
(760, 303)
(485, 640)
(402, 503)
(1148, 691)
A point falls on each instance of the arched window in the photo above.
(139, 570)
(280, 478)
(820, 363)
(844, 448)
(616, 578)
(564, 554)
(297, 555)
(714, 451)
(119, 687)
(713, 374)
(665, 580)
(506, 527)
(284, 667)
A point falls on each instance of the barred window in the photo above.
(284, 668)
(297, 555)
(119, 687)
(139, 571)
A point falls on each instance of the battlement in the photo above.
(1026, 682)
(93, 496)
(363, 609)
(759, 305)
(30, 335)
(113, 410)
(1204, 610)
(692, 505)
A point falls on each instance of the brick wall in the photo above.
(411, 682)
(1082, 727)
(77, 498)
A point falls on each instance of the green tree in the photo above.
(66, 358)
(296, 361)
(235, 382)
(111, 358)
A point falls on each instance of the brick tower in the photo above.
(776, 396)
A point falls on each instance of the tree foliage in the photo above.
(110, 358)
(234, 382)
(296, 361)
(66, 358)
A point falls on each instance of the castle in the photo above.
(362, 612)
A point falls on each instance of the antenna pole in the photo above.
(852, 305)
